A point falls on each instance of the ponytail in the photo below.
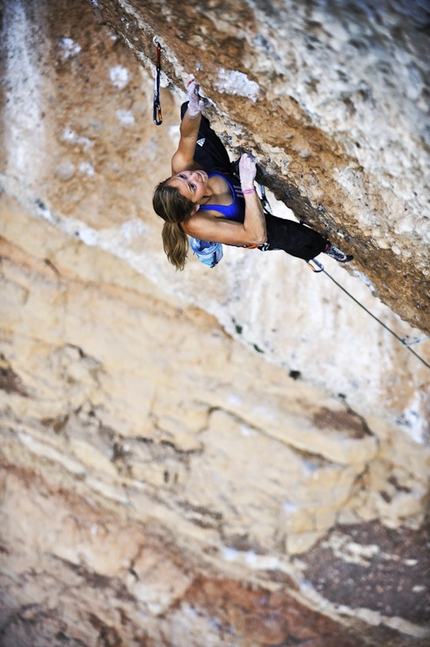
(174, 208)
(175, 244)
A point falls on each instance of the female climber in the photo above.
(206, 200)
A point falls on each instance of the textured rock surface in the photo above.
(333, 98)
(250, 468)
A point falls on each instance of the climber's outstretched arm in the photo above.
(183, 159)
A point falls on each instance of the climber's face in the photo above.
(191, 184)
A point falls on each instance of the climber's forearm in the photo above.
(184, 157)
(255, 222)
(189, 130)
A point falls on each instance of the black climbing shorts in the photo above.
(294, 238)
(210, 152)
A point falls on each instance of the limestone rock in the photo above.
(229, 457)
(332, 100)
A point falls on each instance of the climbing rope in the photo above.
(316, 266)
(400, 339)
(293, 639)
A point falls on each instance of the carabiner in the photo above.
(410, 341)
(315, 265)
(157, 114)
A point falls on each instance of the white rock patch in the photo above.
(232, 82)
(119, 76)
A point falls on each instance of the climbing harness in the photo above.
(157, 115)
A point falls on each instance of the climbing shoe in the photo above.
(338, 256)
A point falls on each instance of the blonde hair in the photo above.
(173, 208)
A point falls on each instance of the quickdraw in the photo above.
(410, 341)
(157, 115)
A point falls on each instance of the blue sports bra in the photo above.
(235, 210)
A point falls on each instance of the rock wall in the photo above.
(228, 457)
(333, 99)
